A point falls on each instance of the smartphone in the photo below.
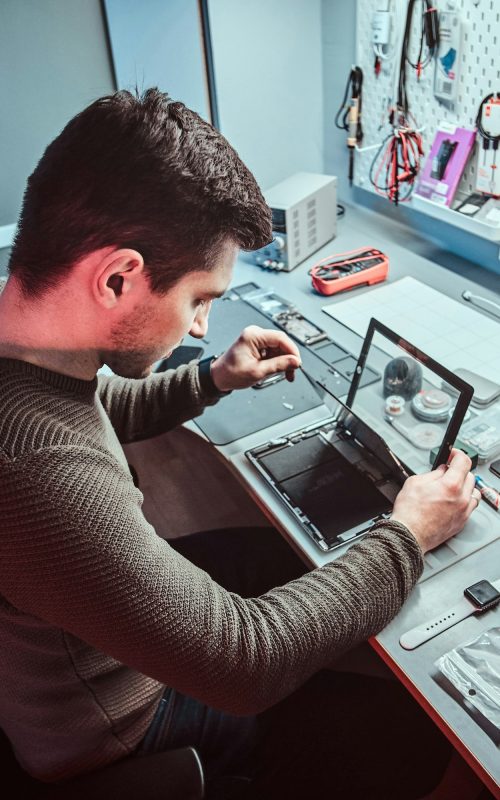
(181, 355)
(485, 391)
(495, 467)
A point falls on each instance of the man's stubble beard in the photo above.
(125, 357)
(128, 364)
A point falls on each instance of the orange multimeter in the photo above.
(343, 271)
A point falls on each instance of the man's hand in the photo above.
(436, 505)
(255, 354)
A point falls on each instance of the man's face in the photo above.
(158, 325)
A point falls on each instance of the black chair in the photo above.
(172, 775)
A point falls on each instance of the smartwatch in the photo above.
(206, 381)
(477, 598)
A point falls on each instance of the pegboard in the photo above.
(479, 74)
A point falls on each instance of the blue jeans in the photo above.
(224, 742)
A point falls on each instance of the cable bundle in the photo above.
(487, 136)
(429, 34)
(398, 160)
(488, 127)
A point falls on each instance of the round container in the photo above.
(466, 417)
(431, 405)
(425, 437)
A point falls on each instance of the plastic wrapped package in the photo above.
(474, 670)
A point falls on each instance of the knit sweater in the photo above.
(98, 613)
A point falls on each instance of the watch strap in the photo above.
(427, 630)
(206, 381)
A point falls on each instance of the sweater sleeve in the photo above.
(80, 555)
(147, 407)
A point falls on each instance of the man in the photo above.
(130, 227)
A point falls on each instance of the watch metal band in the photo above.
(427, 630)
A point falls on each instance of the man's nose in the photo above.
(199, 327)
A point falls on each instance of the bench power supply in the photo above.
(304, 209)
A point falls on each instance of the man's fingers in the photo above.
(436, 473)
(463, 470)
(270, 340)
(286, 364)
(474, 501)
(469, 485)
(458, 468)
(459, 463)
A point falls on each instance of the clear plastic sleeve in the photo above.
(474, 669)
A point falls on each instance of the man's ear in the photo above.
(118, 273)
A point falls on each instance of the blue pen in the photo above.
(490, 495)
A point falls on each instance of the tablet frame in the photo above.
(464, 389)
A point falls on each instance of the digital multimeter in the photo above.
(343, 271)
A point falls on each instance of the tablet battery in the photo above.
(298, 457)
(318, 480)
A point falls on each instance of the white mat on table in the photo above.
(448, 331)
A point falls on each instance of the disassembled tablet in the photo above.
(339, 476)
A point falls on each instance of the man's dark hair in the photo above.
(140, 172)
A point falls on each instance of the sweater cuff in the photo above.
(207, 384)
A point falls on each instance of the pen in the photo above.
(490, 495)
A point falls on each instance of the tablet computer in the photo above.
(342, 474)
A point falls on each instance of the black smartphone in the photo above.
(181, 355)
(495, 467)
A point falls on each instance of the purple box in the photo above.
(445, 164)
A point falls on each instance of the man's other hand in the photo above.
(437, 504)
(256, 353)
